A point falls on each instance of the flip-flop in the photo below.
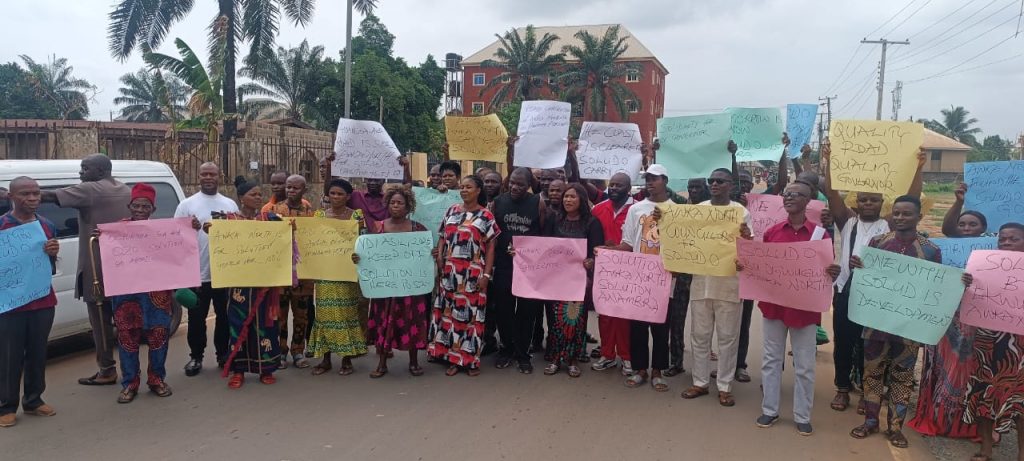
(345, 371)
(694, 391)
(451, 371)
(415, 371)
(863, 431)
(636, 380)
(659, 384)
(321, 369)
(379, 372)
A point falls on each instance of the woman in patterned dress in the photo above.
(995, 390)
(400, 322)
(337, 326)
(465, 257)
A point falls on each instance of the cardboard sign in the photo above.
(397, 264)
(799, 126)
(787, 274)
(251, 254)
(363, 149)
(757, 133)
(995, 299)
(956, 251)
(476, 138)
(325, 249)
(25, 270)
(693, 146)
(874, 156)
(609, 148)
(166, 249)
(767, 210)
(543, 134)
(996, 189)
(549, 268)
(700, 239)
(631, 286)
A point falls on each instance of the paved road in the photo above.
(498, 415)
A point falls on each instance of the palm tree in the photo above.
(597, 77)
(149, 96)
(144, 24)
(53, 81)
(365, 7)
(205, 105)
(284, 79)
(956, 123)
(526, 64)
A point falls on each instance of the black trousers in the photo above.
(678, 305)
(741, 353)
(516, 317)
(23, 338)
(848, 353)
(643, 356)
(197, 322)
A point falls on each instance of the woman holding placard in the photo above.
(337, 327)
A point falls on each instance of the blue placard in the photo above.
(395, 264)
(25, 270)
(956, 251)
(996, 189)
(799, 126)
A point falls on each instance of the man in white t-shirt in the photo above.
(200, 207)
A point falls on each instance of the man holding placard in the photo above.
(614, 331)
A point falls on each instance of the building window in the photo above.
(478, 108)
(632, 76)
(936, 155)
(478, 79)
(506, 77)
(632, 106)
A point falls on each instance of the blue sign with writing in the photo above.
(996, 189)
(25, 270)
(799, 126)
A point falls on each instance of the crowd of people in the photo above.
(972, 384)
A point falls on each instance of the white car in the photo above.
(72, 317)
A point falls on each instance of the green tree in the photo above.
(365, 7)
(53, 81)
(525, 63)
(993, 148)
(956, 123)
(205, 105)
(18, 99)
(285, 82)
(597, 76)
(150, 96)
(509, 116)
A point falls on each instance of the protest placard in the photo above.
(25, 270)
(608, 148)
(995, 299)
(549, 268)
(363, 149)
(250, 253)
(757, 133)
(166, 249)
(700, 239)
(996, 189)
(476, 138)
(325, 249)
(799, 126)
(543, 134)
(767, 210)
(431, 206)
(693, 146)
(955, 251)
(631, 286)
(905, 296)
(874, 156)
(397, 264)
(787, 274)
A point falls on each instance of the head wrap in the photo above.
(143, 190)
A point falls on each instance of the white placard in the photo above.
(363, 149)
(543, 134)
(608, 148)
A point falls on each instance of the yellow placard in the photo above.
(927, 203)
(325, 249)
(250, 254)
(874, 156)
(476, 138)
(699, 239)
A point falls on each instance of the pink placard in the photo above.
(767, 211)
(787, 274)
(549, 268)
(631, 286)
(152, 255)
(995, 300)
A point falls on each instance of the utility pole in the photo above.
(897, 101)
(823, 127)
(881, 69)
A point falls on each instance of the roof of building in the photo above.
(936, 141)
(566, 36)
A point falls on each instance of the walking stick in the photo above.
(97, 291)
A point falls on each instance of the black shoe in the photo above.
(673, 371)
(193, 367)
(525, 368)
(503, 362)
(596, 353)
(583, 358)
(591, 339)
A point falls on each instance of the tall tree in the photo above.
(205, 104)
(284, 80)
(597, 77)
(17, 97)
(53, 81)
(956, 123)
(525, 64)
(993, 148)
(150, 96)
(365, 7)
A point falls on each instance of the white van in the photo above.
(72, 317)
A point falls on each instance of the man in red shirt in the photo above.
(800, 325)
(612, 215)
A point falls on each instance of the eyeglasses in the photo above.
(792, 195)
(718, 181)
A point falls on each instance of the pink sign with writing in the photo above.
(767, 211)
(549, 268)
(152, 255)
(995, 299)
(631, 286)
(787, 274)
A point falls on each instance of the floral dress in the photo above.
(337, 326)
(400, 322)
(995, 389)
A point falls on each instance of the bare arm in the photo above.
(572, 173)
(917, 184)
(782, 178)
(840, 212)
(48, 196)
(950, 222)
(406, 170)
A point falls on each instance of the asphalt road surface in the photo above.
(501, 414)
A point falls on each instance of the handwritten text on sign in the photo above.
(168, 247)
(700, 239)
(955, 251)
(476, 138)
(631, 286)
(25, 270)
(874, 156)
(250, 254)
(757, 133)
(995, 299)
(609, 148)
(799, 126)
(549, 268)
(396, 264)
(788, 274)
(325, 249)
(997, 190)
(767, 211)
(905, 296)
(363, 149)
(693, 146)
(543, 134)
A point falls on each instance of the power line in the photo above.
(859, 63)
(939, 21)
(930, 58)
(861, 107)
(857, 50)
(972, 68)
(944, 72)
(908, 17)
(935, 42)
(891, 18)
(847, 66)
(865, 84)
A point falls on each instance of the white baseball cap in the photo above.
(657, 169)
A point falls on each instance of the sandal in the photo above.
(898, 440)
(841, 401)
(574, 371)
(268, 379)
(862, 431)
(980, 457)
(320, 369)
(380, 371)
(659, 384)
(127, 395)
(346, 370)
(694, 392)
(473, 372)
(451, 371)
(415, 370)
(161, 390)
(551, 369)
(236, 380)
(300, 361)
(862, 406)
(283, 365)
(725, 399)
(636, 380)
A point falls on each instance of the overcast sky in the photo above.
(748, 53)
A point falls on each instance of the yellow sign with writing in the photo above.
(874, 156)
(699, 239)
(250, 254)
(325, 249)
(476, 138)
